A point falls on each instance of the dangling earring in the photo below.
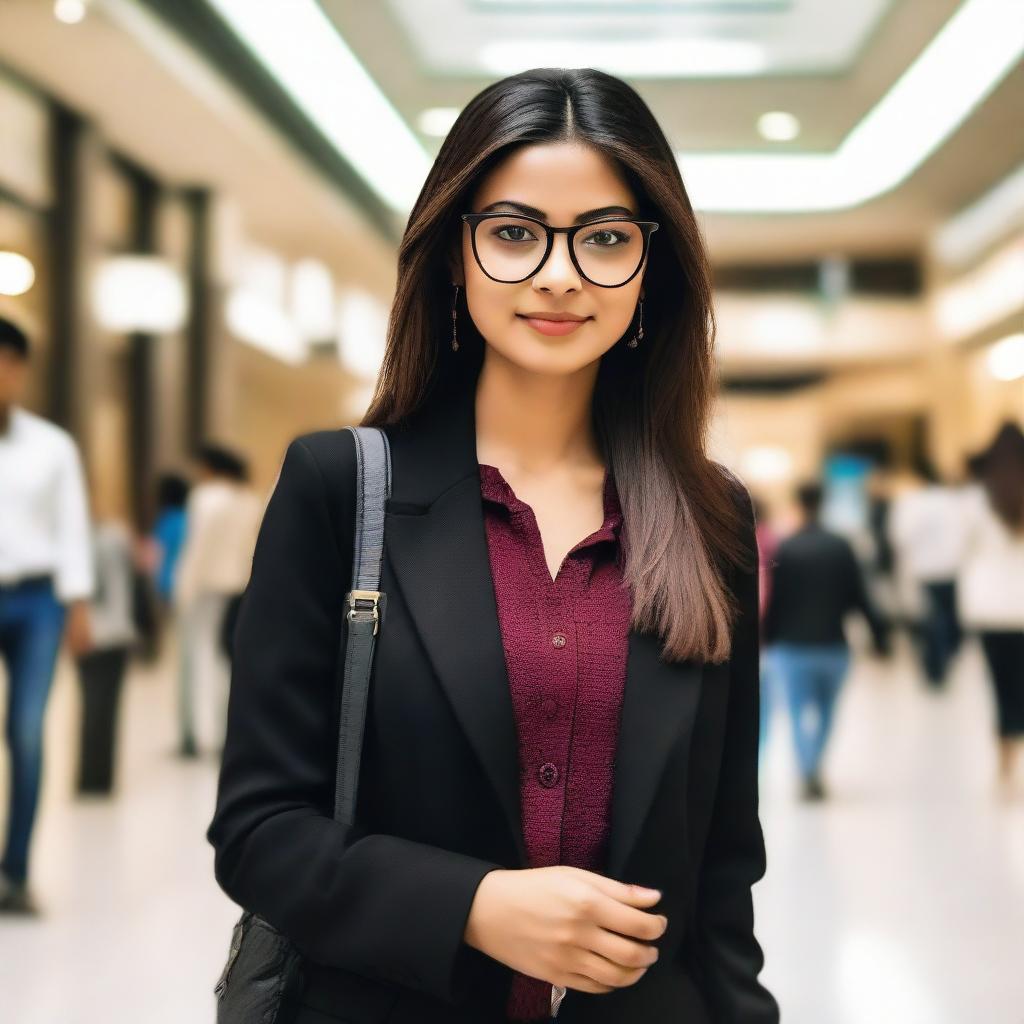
(455, 340)
(635, 340)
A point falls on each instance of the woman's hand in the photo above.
(566, 926)
(78, 628)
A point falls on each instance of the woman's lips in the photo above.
(553, 327)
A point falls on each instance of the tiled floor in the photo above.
(900, 901)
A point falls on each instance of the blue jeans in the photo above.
(31, 625)
(812, 676)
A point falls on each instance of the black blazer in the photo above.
(379, 913)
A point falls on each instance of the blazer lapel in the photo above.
(659, 707)
(436, 545)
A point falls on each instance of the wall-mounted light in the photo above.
(257, 319)
(362, 333)
(1005, 359)
(139, 293)
(17, 274)
(783, 327)
(311, 304)
(766, 464)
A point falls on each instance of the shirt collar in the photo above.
(495, 488)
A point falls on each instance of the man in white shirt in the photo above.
(46, 578)
(222, 518)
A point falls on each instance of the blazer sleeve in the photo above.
(376, 904)
(728, 954)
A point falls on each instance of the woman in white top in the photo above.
(991, 581)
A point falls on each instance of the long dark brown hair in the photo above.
(1000, 469)
(684, 528)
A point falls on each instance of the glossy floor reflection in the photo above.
(899, 901)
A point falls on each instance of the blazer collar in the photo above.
(436, 545)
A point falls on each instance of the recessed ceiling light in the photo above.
(965, 61)
(437, 121)
(71, 12)
(778, 126)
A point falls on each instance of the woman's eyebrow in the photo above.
(532, 211)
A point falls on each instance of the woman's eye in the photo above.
(614, 236)
(500, 233)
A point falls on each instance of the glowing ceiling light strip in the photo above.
(955, 72)
(301, 48)
(970, 55)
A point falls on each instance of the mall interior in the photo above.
(201, 206)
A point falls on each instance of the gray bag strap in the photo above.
(365, 610)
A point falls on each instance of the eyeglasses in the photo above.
(511, 247)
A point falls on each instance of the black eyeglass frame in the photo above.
(648, 227)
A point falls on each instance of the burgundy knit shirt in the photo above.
(565, 644)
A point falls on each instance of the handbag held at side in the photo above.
(263, 973)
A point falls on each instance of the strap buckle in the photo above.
(372, 596)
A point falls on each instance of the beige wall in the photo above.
(269, 403)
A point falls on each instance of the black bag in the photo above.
(262, 978)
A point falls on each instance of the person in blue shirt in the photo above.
(169, 530)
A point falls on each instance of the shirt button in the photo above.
(558, 640)
(548, 775)
(550, 707)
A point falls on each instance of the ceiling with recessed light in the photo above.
(869, 170)
(894, 122)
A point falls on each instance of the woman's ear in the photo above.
(455, 268)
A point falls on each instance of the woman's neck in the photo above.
(533, 423)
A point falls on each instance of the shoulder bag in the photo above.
(262, 976)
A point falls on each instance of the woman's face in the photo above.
(562, 181)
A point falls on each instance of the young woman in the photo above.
(990, 587)
(564, 703)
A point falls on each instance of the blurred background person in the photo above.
(158, 554)
(881, 566)
(223, 515)
(991, 583)
(816, 582)
(101, 670)
(168, 533)
(46, 577)
(926, 532)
